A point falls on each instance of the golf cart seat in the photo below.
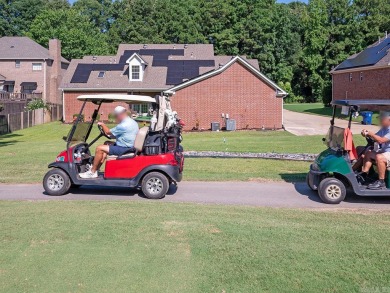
(138, 145)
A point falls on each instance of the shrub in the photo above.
(1, 107)
(111, 118)
(75, 116)
(37, 104)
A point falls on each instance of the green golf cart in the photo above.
(331, 174)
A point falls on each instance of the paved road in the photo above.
(308, 124)
(274, 194)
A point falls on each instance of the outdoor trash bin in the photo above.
(367, 117)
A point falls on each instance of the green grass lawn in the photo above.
(128, 246)
(319, 109)
(25, 154)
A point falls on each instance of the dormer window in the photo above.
(101, 74)
(136, 67)
(135, 72)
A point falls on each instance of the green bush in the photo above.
(1, 107)
(37, 104)
(111, 118)
(75, 116)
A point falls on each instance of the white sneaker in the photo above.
(89, 174)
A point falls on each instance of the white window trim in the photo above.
(39, 65)
(136, 60)
(132, 71)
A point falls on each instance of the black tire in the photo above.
(155, 185)
(332, 191)
(308, 182)
(56, 182)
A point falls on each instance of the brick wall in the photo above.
(23, 74)
(375, 84)
(72, 106)
(236, 91)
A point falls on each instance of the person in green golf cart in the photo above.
(380, 153)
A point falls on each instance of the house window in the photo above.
(350, 77)
(28, 89)
(101, 74)
(141, 108)
(17, 63)
(37, 66)
(135, 72)
(361, 75)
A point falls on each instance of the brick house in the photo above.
(365, 75)
(29, 70)
(204, 87)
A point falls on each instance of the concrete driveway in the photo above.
(308, 124)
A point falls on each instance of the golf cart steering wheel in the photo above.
(370, 141)
(102, 132)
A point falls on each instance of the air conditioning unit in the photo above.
(215, 126)
(230, 124)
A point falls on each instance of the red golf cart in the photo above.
(156, 161)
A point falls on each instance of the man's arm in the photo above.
(377, 138)
(106, 129)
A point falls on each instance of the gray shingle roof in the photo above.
(23, 48)
(155, 77)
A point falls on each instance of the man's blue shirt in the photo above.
(125, 132)
(384, 132)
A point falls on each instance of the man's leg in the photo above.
(369, 156)
(381, 162)
(100, 156)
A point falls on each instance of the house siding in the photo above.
(72, 105)
(237, 92)
(374, 85)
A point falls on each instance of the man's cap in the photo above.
(119, 110)
(384, 114)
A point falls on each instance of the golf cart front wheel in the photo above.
(332, 191)
(155, 185)
(56, 182)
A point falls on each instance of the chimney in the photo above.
(54, 94)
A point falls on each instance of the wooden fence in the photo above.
(20, 120)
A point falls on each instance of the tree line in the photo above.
(296, 44)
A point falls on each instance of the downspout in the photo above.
(63, 105)
(44, 81)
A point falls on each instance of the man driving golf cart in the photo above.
(335, 169)
(380, 153)
(125, 133)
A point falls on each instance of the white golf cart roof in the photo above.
(109, 98)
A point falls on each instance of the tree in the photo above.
(78, 35)
(98, 11)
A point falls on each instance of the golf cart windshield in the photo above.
(80, 132)
(335, 137)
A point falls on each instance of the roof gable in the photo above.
(138, 57)
(245, 63)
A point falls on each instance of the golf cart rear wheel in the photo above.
(56, 182)
(155, 185)
(332, 191)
